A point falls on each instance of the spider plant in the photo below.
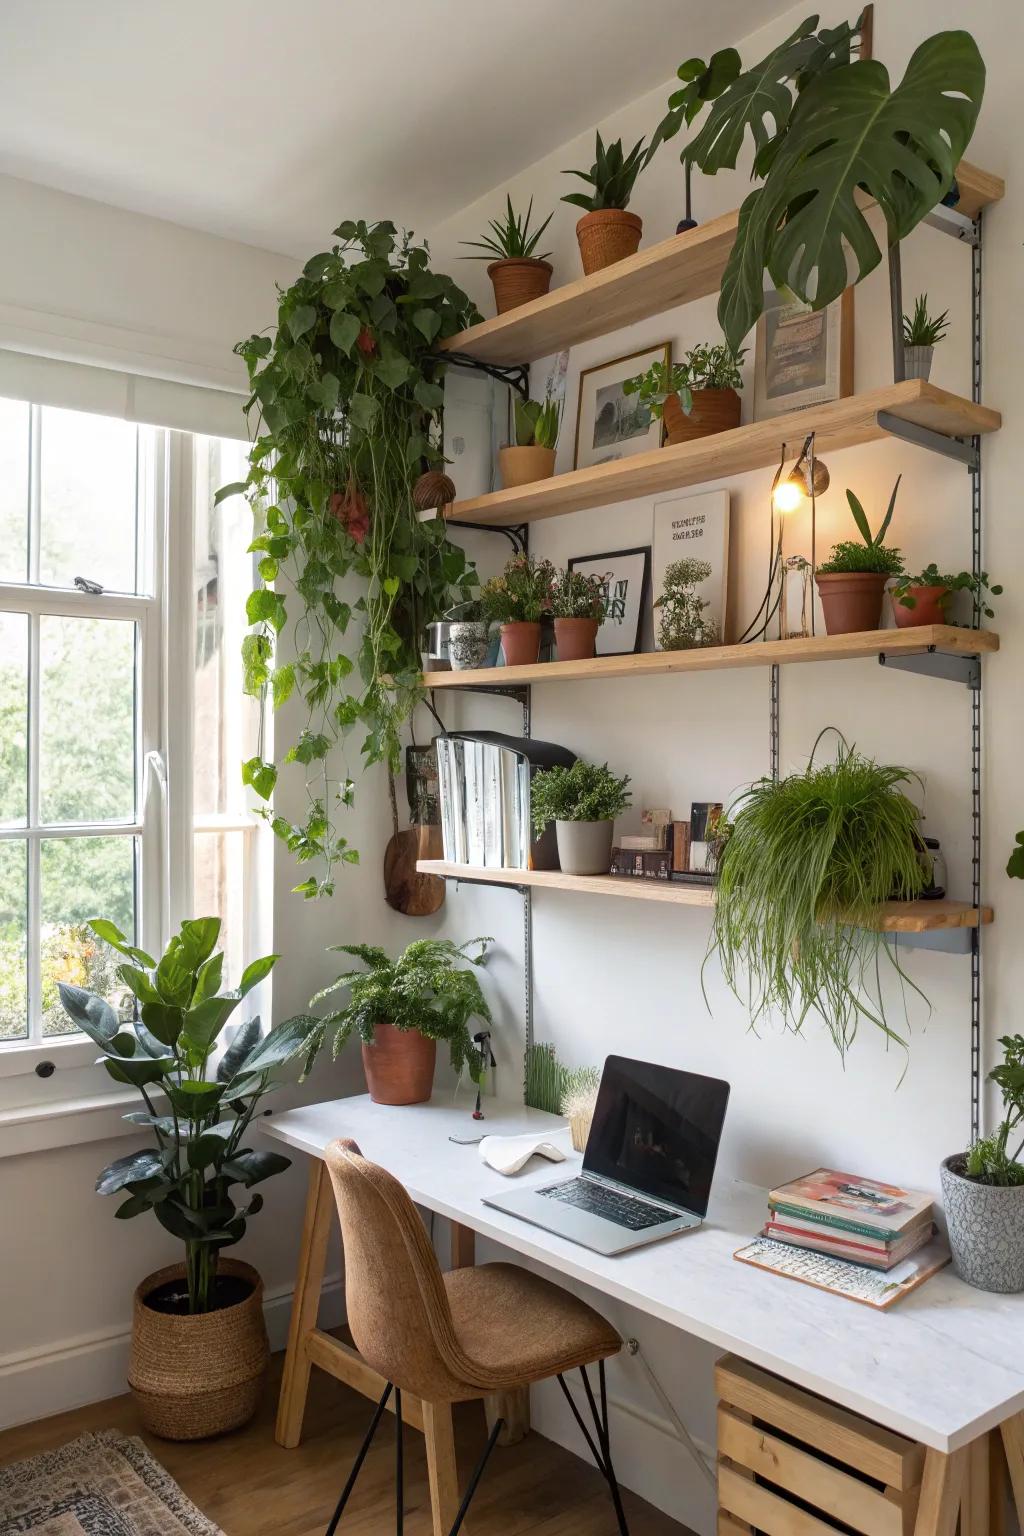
(810, 860)
(512, 238)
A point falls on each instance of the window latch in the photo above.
(85, 585)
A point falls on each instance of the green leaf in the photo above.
(284, 1041)
(859, 517)
(345, 328)
(362, 410)
(430, 396)
(256, 652)
(758, 96)
(163, 1022)
(206, 1149)
(427, 322)
(283, 682)
(112, 935)
(253, 1167)
(91, 1014)
(204, 1023)
(255, 972)
(209, 978)
(139, 983)
(265, 607)
(141, 1071)
(244, 1041)
(1015, 863)
(133, 1206)
(312, 746)
(236, 488)
(260, 776)
(393, 369)
(128, 1170)
(195, 1100)
(268, 568)
(301, 320)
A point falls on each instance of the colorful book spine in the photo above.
(845, 1224)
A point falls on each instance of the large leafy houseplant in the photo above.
(186, 1179)
(347, 402)
(829, 133)
(809, 861)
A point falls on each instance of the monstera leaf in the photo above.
(849, 135)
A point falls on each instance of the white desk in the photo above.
(943, 1367)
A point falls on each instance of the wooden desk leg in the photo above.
(975, 1504)
(1013, 1444)
(998, 1485)
(442, 1469)
(513, 1407)
(942, 1489)
(316, 1231)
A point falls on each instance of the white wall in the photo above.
(625, 976)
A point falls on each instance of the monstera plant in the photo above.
(829, 132)
(346, 402)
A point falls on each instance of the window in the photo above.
(122, 717)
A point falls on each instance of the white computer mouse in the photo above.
(508, 1154)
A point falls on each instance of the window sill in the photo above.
(19, 1058)
(41, 1127)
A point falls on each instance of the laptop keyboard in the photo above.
(623, 1210)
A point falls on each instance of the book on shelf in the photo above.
(882, 1256)
(852, 1203)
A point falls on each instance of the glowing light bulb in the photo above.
(788, 495)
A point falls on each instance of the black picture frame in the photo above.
(633, 621)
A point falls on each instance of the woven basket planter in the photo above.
(517, 280)
(201, 1375)
(607, 235)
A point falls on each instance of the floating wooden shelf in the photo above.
(675, 271)
(872, 642)
(840, 424)
(895, 916)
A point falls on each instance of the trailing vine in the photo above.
(347, 397)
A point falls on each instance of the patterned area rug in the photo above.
(99, 1485)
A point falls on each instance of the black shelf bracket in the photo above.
(935, 663)
(516, 533)
(515, 375)
(495, 885)
(964, 450)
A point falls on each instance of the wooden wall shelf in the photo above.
(870, 643)
(839, 424)
(896, 916)
(675, 271)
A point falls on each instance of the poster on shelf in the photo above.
(693, 528)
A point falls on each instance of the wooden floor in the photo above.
(251, 1487)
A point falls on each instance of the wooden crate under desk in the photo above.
(793, 1464)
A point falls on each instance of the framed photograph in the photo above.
(625, 576)
(802, 356)
(695, 528)
(612, 425)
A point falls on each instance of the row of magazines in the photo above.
(484, 792)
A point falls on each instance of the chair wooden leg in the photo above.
(942, 1488)
(442, 1469)
(309, 1280)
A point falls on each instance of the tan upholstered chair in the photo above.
(448, 1338)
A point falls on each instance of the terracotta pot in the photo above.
(195, 1376)
(399, 1065)
(576, 639)
(520, 644)
(927, 607)
(714, 410)
(521, 466)
(606, 236)
(517, 280)
(851, 601)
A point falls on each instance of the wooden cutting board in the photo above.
(404, 888)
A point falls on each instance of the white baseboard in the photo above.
(37, 1383)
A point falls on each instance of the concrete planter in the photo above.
(917, 361)
(584, 847)
(468, 641)
(986, 1229)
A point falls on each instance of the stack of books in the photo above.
(847, 1217)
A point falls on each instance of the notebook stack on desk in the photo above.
(850, 1218)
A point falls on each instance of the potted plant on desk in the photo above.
(695, 397)
(518, 599)
(401, 1008)
(852, 581)
(583, 802)
(607, 232)
(578, 604)
(927, 597)
(519, 274)
(983, 1188)
(199, 1344)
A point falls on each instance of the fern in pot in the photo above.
(810, 862)
(583, 802)
(199, 1344)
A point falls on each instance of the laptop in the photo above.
(648, 1166)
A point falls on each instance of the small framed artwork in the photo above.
(694, 528)
(802, 356)
(610, 424)
(625, 576)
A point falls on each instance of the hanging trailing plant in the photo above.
(347, 401)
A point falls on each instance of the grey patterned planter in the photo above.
(467, 644)
(986, 1229)
(917, 362)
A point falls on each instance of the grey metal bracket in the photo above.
(936, 663)
(965, 450)
(950, 941)
(496, 885)
(952, 222)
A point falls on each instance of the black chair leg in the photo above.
(399, 1476)
(378, 1414)
(477, 1474)
(601, 1451)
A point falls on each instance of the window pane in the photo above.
(13, 928)
(86, 719)
(14, 459)
(226, 720)
(88, 495)
(82, 877)
(220, 889)
(13, 717)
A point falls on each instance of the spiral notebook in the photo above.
(872, 1288)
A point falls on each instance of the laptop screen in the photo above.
(657, 1130)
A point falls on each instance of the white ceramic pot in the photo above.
(468, 641)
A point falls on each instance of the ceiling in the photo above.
(268, 122)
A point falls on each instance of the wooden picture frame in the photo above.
(599, 397)
(802, 356)
(614, 568)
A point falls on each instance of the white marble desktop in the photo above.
(942, 1366)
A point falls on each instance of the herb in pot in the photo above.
(708, 366)
(583, 802)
